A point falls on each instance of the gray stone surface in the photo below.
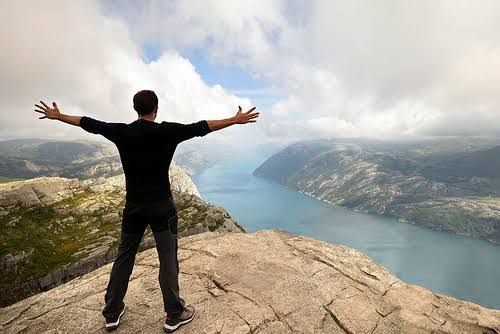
(38, 191)
(264, 282)
(180, 181)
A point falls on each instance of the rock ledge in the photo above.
(264, 282)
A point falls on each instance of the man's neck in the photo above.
(146, 118)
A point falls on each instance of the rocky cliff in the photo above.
(180, 181)
(264, 282)
(55, 229)
(192, 161)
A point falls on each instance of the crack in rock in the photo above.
(315, 257)
(222, 328)
(242, 295)
(18, 315)
(337, 320)
(202, 251)
(218, 284)
(389, 287)
(385, 315)
(282, 319)
(246, 322)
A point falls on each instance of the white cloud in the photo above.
(357, 68)
(69, 52)
(378, 68)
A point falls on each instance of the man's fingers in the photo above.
(253, 116)
(54, 104)
(252, 121)
(40, 111)
(251, 110)
(239, 109)
(42, 117)
(46, 106)
(39, 106)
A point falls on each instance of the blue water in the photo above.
(459, 266)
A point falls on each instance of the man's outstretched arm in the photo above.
(239, 118)
(179, 132)
(54, 113)
(108, 130)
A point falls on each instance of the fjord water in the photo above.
(459, 266)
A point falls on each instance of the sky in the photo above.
(313, 69)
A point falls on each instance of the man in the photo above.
(146, 149)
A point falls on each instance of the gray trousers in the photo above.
(136, 217)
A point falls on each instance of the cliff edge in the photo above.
(264, 282)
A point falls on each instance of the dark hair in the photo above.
(145, 102)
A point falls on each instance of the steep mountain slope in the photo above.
(264, 282)
(452, 189)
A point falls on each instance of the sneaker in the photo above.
(112, 324)
(173, 322)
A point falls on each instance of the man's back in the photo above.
(146, 149)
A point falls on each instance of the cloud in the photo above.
(71, 53)
(386, 69)
(378, 68)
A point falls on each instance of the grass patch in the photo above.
(488, 200)
(5, 179)
(53, 240)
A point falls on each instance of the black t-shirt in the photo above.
(146, 149)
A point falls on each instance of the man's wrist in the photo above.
(232, 120)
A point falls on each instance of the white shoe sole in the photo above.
(170, 329)
(114, 325)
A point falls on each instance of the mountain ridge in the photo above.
(392, 181)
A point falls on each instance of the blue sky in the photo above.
(234, 79)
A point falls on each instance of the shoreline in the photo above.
(402, 220)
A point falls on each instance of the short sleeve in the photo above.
(179, 132)
(108, 130)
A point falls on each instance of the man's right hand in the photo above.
(240, 118)
(48, 112)
(245, 117)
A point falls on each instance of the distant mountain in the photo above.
(448, 184)
(28, 158)
(482, 164)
